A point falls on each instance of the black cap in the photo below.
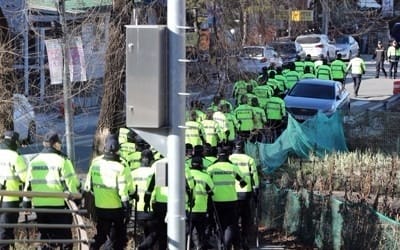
(111, 145)
(52, 137)
(197, 162)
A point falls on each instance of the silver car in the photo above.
(309, 96)
(347, 46)
(253, 58)
(316, 45)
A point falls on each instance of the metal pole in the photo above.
(68, 112)
(26, 59)
(176, 177)
(41, 63)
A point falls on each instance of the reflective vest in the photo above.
(393, 54)
(132, 161)
(259, 118)
(141, 177)
(110, 181)
(338, 69)
(299, 67)
(308, 76)
(311, 65)
(12, 172)
(233, 126)
(126, 149)
(240, 88)
(248, 167)
(281, 79)
(245, 115)
(123, 135)
(224, 175)
(291, 78)
(324, 72)
(356, 65)
(275, 108)
(220, 118)
(203, 185)
(211, 131)
(263, 92)
(50, 171)
(193, 133)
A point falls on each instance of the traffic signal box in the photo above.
(146, 76)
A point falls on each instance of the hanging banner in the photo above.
(77, 65)
(55, 59)
(76, 57)
(387, 8)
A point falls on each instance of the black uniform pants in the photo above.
(357, 82)
(149, 225)
(8, 217)
(393, 68)
(160, 232)
(245, 217)
(110, 223)
(53, 233)
(196, 227)
(380, 65)
(228, 219)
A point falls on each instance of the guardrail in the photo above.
(79, 226)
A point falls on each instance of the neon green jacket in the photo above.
(51, 171)
(111, 183)
(12, 172)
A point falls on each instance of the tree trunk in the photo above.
(112, 114)
(7, 76)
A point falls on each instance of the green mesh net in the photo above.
(325, 222)
(320, 135)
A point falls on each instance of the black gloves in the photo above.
(147, 198)
(127, 210)
(256, 193)
(27, 204)
(242, 183)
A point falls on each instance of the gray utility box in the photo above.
(146, 76)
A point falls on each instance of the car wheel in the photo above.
(31, 133)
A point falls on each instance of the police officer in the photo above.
(141, 176)
(338, 69)
(193, 130)
(159, 203)
(126, 139)
(246, 194)
(393, 55)
(357, 66)
(203, 190)
(324, 71)
(111, 184)
(51, 171)
(244, 113)
(379, 56)
(12, 177)
(224, 174)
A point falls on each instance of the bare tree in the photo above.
(112, 114)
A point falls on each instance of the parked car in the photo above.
(288, 51)
(316, 45)
(347, 46)
(309, 96)
(253, 58)
(24, 119)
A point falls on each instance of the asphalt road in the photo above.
(372, 90)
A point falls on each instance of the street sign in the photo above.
(302, 15)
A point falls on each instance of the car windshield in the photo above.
(284, 47)
(308, 39)
(313, 91)
(252, 52)
(342, 39)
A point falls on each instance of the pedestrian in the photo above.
(247, 194)
(338, 70)
(111, 184)
(12, 177)
(224, 174)
(198, 217)
(393, 55)
(357, 67)
(379, 57)
(324, 71)
(51, 171)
